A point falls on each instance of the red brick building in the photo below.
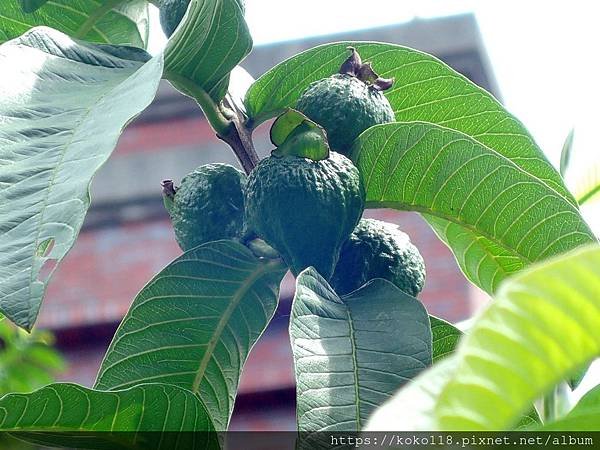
(127, 237)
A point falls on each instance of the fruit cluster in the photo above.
(306, 200)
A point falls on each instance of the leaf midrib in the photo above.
(75, 131)
(214, 339)
(402, 206)
(352, 338)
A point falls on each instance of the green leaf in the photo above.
(63, 104)
(105, 22)
(352, 353)
(543, 325)
(585, 416)
(67, 414)
(445, 338)
(425, 89)
(194, 324)
(27, 361)
(565, 154)
(587, 186)
(504, 217)
(210, 41)
(30, 6)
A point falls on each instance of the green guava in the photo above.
(172, 11)
(305, 209)
(208, 206)
(347, 103)
(377, 249)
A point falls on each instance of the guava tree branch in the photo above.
(225, 119)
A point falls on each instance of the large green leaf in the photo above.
(194, 324)
(445, 338)
(210, 41)
(543, 325)
(100, 21)
(63, 104)
(503, 217)
(425, 89)
(352, 353)
(585, 416)
(67, 414)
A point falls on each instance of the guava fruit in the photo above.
(208, 206)
(347, 103)
(378, 249)
(305, 209)
(172, 11)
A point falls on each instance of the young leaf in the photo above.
(194, 324)
(565, 154)
(211, 40)
(148, 416)
(585, 416)
(63, 104)
(445, 338)
(425, 89)
(445, 174)
(352, 353)
(543, 325)
(284, 125)
(106, 22)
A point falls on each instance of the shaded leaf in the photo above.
(63, 105)
(67, 414)
(194, 324)
(106, 22)
(504, 218)
(30, 6)
(352, 353)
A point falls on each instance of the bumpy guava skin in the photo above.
(377, 249)
(305, 209)
(347, 103)
(208, 206)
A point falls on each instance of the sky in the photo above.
(544, 56)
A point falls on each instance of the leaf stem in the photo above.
(227, 122)
(95, 16)
(588, 195)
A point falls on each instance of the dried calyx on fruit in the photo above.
(347, 103)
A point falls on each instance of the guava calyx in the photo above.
(305, 209)
(297, 135)
(354, 66)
